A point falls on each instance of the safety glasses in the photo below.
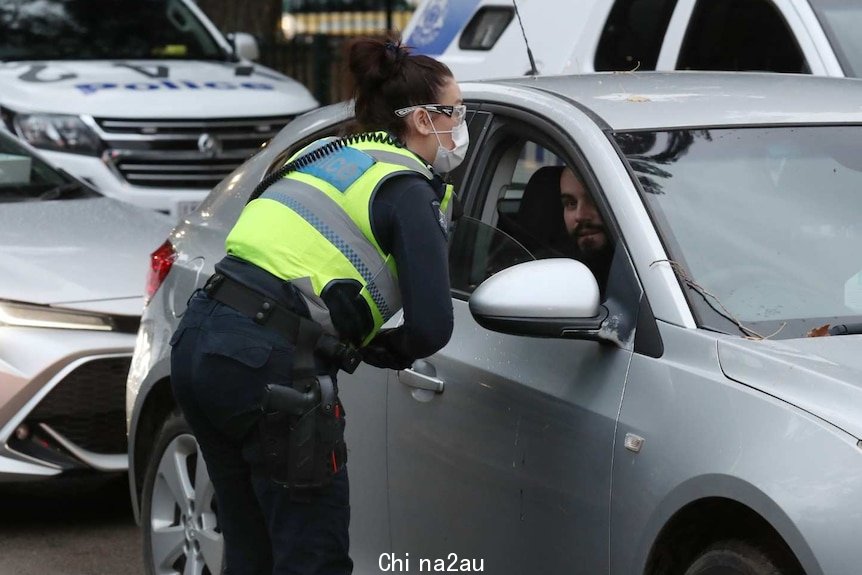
(457, 113)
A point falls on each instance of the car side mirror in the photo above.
(245, 46)
(555, 297)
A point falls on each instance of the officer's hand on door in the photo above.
(379, 354)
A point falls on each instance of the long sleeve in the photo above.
(406, 222)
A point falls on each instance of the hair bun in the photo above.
(372, 62)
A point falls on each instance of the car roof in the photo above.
(650, 100)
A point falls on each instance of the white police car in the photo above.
(482, 39)
(146, 100)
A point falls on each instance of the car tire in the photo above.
(735, 558)
(178, 507)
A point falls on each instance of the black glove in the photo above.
(381, 353)
(380, 356)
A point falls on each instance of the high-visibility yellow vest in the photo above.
(313, 227)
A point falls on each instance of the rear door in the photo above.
(500, 447)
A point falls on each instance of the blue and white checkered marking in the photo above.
(341, 168)
(337, 241)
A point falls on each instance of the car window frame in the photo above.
(477, 181)
(625, 296)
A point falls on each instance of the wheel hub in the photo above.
(190, 531)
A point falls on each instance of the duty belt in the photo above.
(302, 424)
(271, 314)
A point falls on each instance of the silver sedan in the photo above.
(72, 281)
(630, 386)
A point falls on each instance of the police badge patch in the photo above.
(441, 218)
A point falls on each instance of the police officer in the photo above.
(347, 233)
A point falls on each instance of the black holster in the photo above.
(303, 433)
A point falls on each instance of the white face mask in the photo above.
(446, 160)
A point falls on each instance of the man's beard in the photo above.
(591, 240)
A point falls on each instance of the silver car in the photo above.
(671, 416)
(72, 277)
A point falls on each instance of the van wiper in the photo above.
(846, 329)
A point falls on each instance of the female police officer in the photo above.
(351, 230)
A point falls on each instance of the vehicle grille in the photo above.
(88, 406)
(185, 154)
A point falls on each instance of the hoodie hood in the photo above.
(91, 252)
(821, 375)
(150, 88)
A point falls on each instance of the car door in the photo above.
(500, 446)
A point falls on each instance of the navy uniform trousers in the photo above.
(220, 363)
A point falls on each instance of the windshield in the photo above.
(24, 177)
(842, 21)
(762, 224)
(102, 29)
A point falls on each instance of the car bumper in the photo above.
(62, 402)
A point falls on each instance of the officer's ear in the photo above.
(422, 121)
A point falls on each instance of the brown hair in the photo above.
(387, 77)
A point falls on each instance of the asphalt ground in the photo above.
(76, 527)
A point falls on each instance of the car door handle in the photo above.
(419, 380)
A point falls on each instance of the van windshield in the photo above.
(103, 29)
(842, 20)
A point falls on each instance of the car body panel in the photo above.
(136, 88)
(655, 99)
(56, 265)
(733, 442)
(822, 376)
(516, 447)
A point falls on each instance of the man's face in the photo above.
(583, 221)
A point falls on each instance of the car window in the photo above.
(742, 35)
(486, 27)
(530, 205)
(633, 35)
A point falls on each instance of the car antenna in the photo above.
(533, 70)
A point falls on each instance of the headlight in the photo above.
(57, 132)
(28, 315)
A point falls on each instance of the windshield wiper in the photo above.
(61, 190)
(846, 329)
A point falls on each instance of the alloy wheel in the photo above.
(184, 533)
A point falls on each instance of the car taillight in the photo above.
(161, 261)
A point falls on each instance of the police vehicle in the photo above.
(483, 39)
(147, 101)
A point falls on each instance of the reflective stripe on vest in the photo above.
(314, 227)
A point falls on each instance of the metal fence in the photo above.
(313, 47)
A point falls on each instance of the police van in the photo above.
(483, 38)
(144, 99)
